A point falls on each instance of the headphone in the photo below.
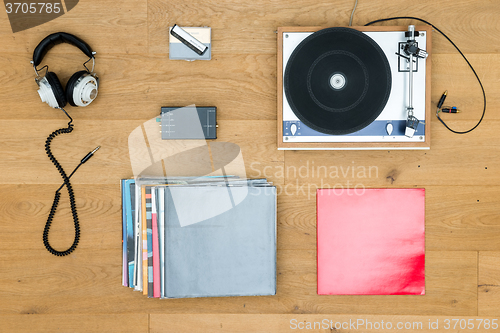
(82, 86)
(81, 90)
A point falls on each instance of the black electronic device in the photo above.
(189, 123)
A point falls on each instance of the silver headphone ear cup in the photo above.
(83, 89)
(70, 85)
(46, 92)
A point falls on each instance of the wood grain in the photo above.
(110, 27)
(489, 283)
(249, 27)
(74, 323)
(452, 160)
(112, 162)
(137, 86)
(83, 292)
(89, 281)
(25, 209)
(245, 85)
(316, 323)
(465, 220)
(297, 279)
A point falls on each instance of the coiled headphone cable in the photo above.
(57, 195)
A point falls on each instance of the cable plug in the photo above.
(89, 155)
(441, 100)
(452, 109)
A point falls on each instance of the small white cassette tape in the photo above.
(190, 43)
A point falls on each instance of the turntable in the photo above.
(353, 88)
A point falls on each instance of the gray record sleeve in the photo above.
(232, 253)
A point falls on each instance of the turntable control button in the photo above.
(293, 129)
(389, 128)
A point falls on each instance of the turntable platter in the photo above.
(337, 81)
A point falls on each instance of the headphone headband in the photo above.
(57, 38)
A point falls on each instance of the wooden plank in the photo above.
(457, 218)
(92, 277)
(452, 160)
(125, 21)
(450, 288)
(249, 27)
(453, 222)
(89, 281)
(296, 217)
(471, 37)
(99, 212)
(75, 323)
(245, 89)
(82, 292)
(462, 218)
(489, 284)
(451, 72)
(235, 30)
(279, 323)
(241, 86)
(112, 162)
(136, 86)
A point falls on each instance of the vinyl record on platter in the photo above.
(337, 81)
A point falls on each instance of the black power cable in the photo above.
(57, 195)
(456, 47)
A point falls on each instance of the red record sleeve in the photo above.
(371, 241)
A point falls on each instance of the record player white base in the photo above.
(387, 131)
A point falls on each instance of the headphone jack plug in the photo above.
(89, 155)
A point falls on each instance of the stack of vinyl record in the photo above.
(199, 237)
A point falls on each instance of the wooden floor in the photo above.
(83, 292)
